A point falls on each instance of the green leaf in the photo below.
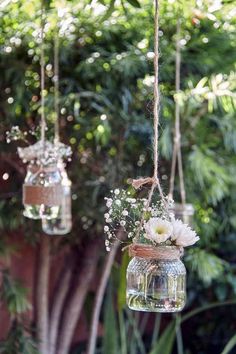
(207, 265)
(134, 3)
(230, 345)
(122, 283)
(166, 340)
(109, 11)
(110, 339)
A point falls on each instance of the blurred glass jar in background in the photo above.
(31, 211)
(183, 212)
(42, 191)
(62, 224)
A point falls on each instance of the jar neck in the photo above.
(155, 252)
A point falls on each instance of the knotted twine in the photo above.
(56, 85)
(154, 180)
(42, 73)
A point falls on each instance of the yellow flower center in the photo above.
(160, 230)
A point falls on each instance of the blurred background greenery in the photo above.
(106, 85)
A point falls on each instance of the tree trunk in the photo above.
(61, 291)
(100, 296)
(42, 294)
(75, 302)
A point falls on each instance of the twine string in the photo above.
(42, 72)
(56, 86)
(154, 181)
(177, 154)
(152, 252)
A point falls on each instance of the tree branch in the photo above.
(76, 301)
(99, 297)
(61, 291)
(42, 294)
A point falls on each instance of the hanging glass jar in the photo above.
(183, 212)
(156, 279)
(63, 223)
(42, 191)
(31, 211)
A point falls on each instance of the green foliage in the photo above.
(207, 265)
(13, 294)
(230, 345)
(106, 77)
(165, 343)
(110, 341)
(18, 341)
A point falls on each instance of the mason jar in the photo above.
(157, 285)
(31, 211)
(62, 224)
(183, 212)
(42, 192)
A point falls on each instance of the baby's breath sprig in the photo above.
(16, 134)
(125, 210)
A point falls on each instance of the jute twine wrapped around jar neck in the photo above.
(155, 252)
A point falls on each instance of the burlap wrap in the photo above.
(36, 195)
(151, 252)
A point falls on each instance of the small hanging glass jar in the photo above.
(42, 191)
(156, 279)
(183, 212)
(63, 223)
(31, 211)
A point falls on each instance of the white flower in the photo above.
(106, 228)
(123, 222)
(125, 212)
(158, 230)
(130, 234)
(182, 234)
(106, 216)
(118, 202)
(107, 243)
(117, 191)
(109, 202)
(108, 249)
(131, 200)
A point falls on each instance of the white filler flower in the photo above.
(158, 230)
(183, 235)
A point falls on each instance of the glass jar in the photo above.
(42, 192)
(31, 211)
(155, 285)
(183, 212)
(63, 223)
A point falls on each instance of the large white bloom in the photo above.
(182, 234)
(158, 230)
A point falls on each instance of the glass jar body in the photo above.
(63, 223)
(43, 183)
(156, 285)
(31, 211)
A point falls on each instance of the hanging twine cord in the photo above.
(177, 154)
(154, 180)
(42, 79)
(56, 87)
